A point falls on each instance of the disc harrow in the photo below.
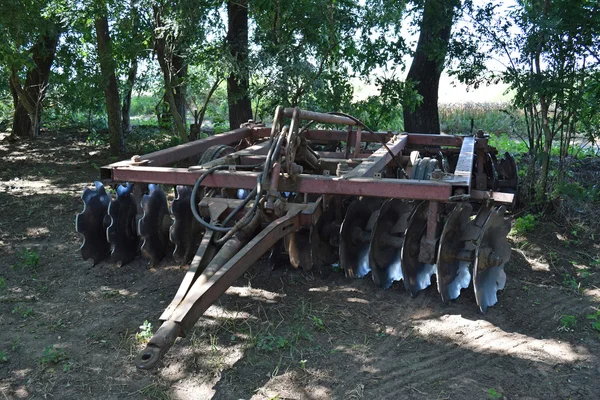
(422, 209)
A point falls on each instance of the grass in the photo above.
(145, 333)
(595, 320)
(28, 259)
(525, 224)
(23, 311)
(568, 322)
(493, 394)
(155, 391)
(52, 355)
(3, 356)
(3, 284)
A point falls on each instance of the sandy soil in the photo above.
(68, 330)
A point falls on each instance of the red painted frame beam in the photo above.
(315, 184)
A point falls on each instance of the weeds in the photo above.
(3, 357)
(568, 322)
(52, 355)
(145, 333)
(571, 283)
(155, 391)
(15, 344)
(595, 320)
(23, 311)
(525, 224)
(28, 259)
(493, 394)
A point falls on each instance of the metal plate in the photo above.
(453, 274)
(122, 233)
(416, 274)
(353, 252)
(384, 257)
(493, 251)
(185, 230)
(152, 227)
(90, 223)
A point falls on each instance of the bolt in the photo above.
(437, 174)
(342, 168)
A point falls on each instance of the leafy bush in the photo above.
(525, 224)
(52, 355)
(568, 321)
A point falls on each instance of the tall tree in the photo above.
(28, 97)
(169, 52)
(111, 88)
(428, 64)
(29, 33)
(240, 109)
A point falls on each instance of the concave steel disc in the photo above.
(492, 252)
(90, 223)
(185, 230)
(152, 227)
(453, 274)
(122, 233)
(355, 236)
(416, 274)
(385, 256)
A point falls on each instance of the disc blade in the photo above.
(386, 238)
(493, 251)
(453, 274)
(354, 248)
(185, 230)
(122, 233)
(416, 274)
(151, 227)
(90, 223)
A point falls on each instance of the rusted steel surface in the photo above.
(378, 160)
(497, 197)
(394, 188)
(186, 150)
(423, 139)
(203, 294)
(464, 166)
(320, 117)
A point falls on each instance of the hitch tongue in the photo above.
(160, 343)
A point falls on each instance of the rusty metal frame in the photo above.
(361, 172)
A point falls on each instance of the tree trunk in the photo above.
(428, 64)
(240, 109)
(166, 61)
(28, 99)
(180, 68)
(126, 109)
(111, 89)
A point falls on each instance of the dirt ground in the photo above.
(68, 329)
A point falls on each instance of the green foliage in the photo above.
(3, 284)
(318, 322)
(571, 283)
(576, 191)
(27, 259)
(145, 333)
(505, 143)
(568, 321)
(493, 394)
(525, 224)
(3, 356)
(22, 310)
(52, 355)
(595, 320)
(494, 118)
